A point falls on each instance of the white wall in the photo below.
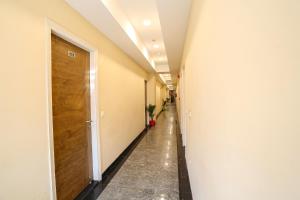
(24, 142)
(243, 81)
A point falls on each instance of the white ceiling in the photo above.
(137, 12)
(174, 16)
(158, 46)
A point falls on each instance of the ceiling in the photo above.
(152, 32)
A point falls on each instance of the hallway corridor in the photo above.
(151, 171)
(81, 81)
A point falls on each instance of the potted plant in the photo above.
(150, 110)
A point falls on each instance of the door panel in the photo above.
(71, 113)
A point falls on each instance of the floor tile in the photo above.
(151, 171)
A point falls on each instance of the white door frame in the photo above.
(52, 27)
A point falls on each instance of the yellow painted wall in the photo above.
(178, 106)
(161, 95)
(24, 150)
(156, 92)
(158, 97)
(151, 90)
(163, 91)
(242, 66)
(122, 98)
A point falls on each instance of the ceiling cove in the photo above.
(143, 29)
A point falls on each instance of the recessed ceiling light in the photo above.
(155, 46)
(147, 22)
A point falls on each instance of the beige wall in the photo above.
(122, 97)
(167, 93)
(160, 95)
(156, 92)
(24, 151)
(163, 92)
(151, 90)
(178, 105)
(243, 81)
(158, 98)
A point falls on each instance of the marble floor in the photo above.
(151, 171)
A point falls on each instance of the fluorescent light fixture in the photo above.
(163, 68)
(167, 77)
(170, 86)
(155, 46)
(162, 58)
(162, 78)
(147, 22)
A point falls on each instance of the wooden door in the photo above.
(71, 117)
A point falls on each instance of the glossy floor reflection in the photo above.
(151, 171)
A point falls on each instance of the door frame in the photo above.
(53, 28)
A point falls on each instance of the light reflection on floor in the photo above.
(151, 171)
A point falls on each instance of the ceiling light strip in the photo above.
(162, 78)
(113, 7)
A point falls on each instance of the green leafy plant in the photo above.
(150, 110)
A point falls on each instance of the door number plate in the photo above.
(71, 54)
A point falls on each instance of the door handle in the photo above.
(88, 121)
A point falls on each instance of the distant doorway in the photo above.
(172, 94)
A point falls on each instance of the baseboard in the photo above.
(157, 116)
(117, 164)
(185, 192)
(87, 191)
(93, 191)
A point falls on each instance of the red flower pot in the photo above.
(152, 123)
